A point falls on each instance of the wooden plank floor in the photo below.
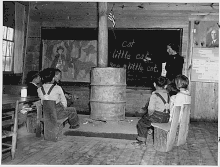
(201, 149)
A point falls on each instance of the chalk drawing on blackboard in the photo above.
(74, 58)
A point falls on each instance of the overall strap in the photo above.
(168, 100)
(50, 89)
(159, 95)
(43, 91)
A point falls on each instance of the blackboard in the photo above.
(127, 48)
(141, 52)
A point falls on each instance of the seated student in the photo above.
(33, 82)
(157, 110)
(68, 95)
(183, 96)
(171, 88)
(51, 91)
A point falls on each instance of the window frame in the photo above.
(11, 70)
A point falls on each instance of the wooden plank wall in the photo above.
(204, 101)
(127, 15)
(33, 48)
(204, 94)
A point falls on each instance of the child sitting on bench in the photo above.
(158, 110)
(70, 98)
(33, 83)
(183, 96)
(51, 91)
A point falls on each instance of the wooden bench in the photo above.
(10, 120)
(47, 115)
(31, 122)
(39, 118)
(184, 125)
(165, 133)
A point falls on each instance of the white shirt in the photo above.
(181, 98)
(56, 94)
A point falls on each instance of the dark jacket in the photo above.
(174, 66)
(212, 45)
(32, 89)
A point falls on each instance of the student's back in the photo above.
(156, 103)
(158, 111)
(183, 96)
(56, 93)
(50, 91)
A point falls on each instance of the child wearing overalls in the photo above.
(49, 91)
(158, 111)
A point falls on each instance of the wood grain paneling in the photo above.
(204, 101)
(74, 24)
(19, 37)
(185, 7)
(34, 28)
(33, 44)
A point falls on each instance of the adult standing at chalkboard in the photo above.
(174, 62)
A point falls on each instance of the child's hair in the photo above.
(31, 76)
(171, 89)
(47, 75)
(181, 81)
(161, 81)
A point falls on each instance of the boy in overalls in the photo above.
(158, 110)
(50, 91)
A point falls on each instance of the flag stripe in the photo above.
(111, 17)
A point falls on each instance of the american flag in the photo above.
(111, 17)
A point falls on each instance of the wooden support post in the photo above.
(103, 35)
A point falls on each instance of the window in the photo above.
(7, 48)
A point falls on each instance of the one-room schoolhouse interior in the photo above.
(100, 61)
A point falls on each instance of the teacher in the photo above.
(174, 62)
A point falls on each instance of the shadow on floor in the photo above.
(102, 135)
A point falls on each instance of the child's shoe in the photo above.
(138, 143)
(74, 126)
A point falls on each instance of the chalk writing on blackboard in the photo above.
(141, 52)
(138, 62)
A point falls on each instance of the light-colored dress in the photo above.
(181, 98)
